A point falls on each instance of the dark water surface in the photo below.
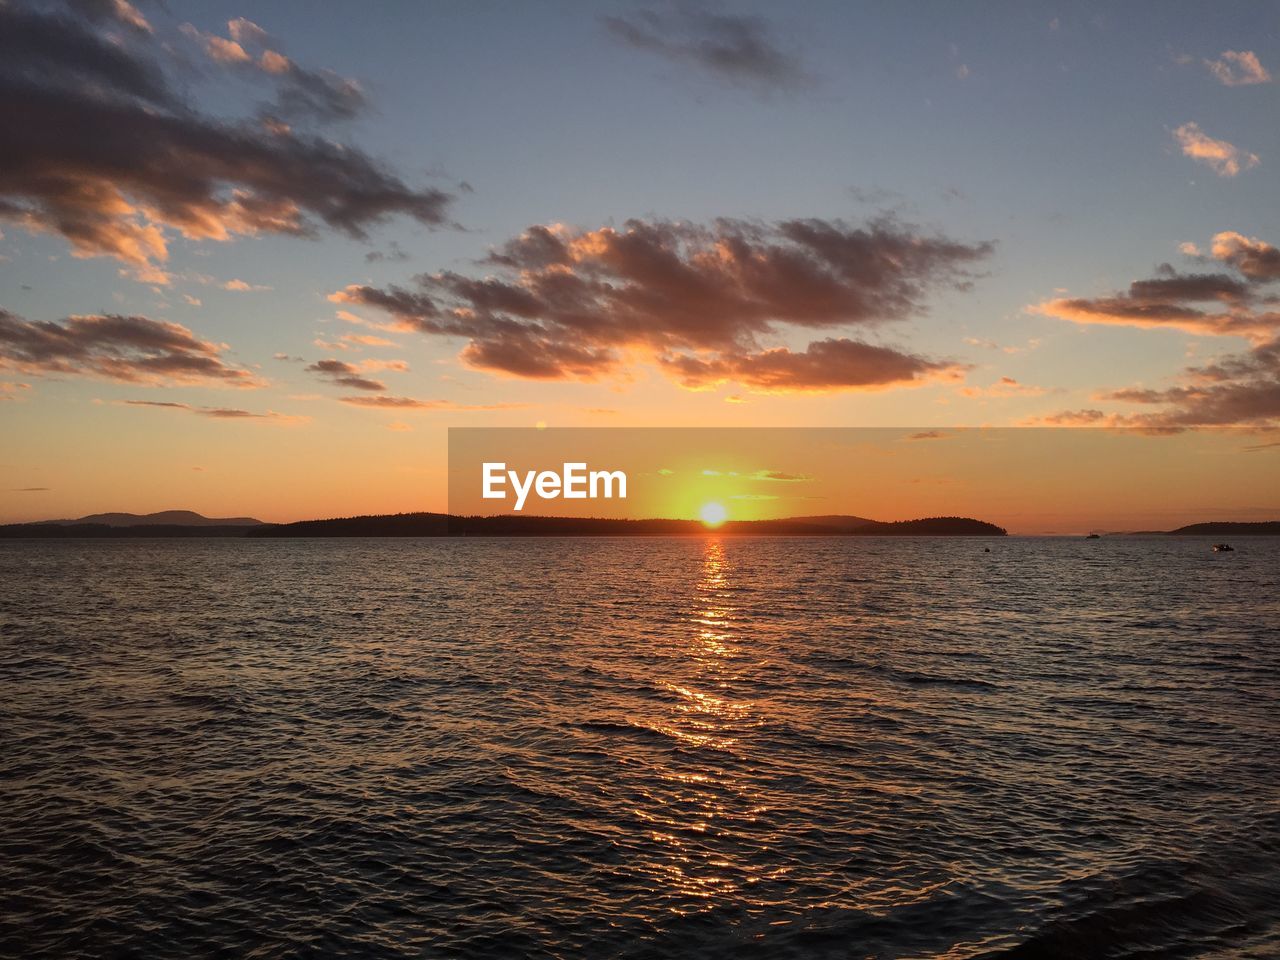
(640, 748)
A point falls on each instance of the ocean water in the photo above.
(640, 748)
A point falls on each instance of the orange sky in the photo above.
(1028, 480)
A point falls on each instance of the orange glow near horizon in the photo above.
(1027, 480)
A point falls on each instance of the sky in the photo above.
(258, 258)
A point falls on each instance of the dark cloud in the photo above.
(740, 49)
(317, 94)
(929, 435)
(699, 300)
(392, 253)
(55, 51)
(130, 349)
(32, 489)
(345, 375)
(100, 149)
(218, 413)
(1169, 285)
(824, 366)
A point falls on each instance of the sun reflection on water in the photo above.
(703, 815)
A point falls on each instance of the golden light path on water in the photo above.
(709, 717)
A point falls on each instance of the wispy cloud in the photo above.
(1223, 158)
(742, 50)
(1003, 388)
(345, 375)
(410, 403)
(220, 413)
(301, 93)
(129, 349)
(1238, 68)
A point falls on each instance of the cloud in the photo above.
(392, 253)
(1220, 304)
(101, 150)
(1225, 159)
(111, 11)
(409, 403)
(1238, 68)
(219, 413)
(700, 301)
(31, 489)
(247, 32)
(239, 286)
(345, 375)
(929, 435)
(825, 366)
(779, 476)
(1238, 389)
(9, 391)
(301, 93)
(1257, 260)
(1075, 418)
(219, 49)
(739, 49)
(129, 349)
(366, 340)
(1003, 388)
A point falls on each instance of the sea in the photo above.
(670, 747)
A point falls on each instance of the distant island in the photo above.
(1222, 528)
(186, 524)
(1214, 528)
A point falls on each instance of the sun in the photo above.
(713, 514)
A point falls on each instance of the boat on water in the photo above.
(1223, 548)
(1094, 536)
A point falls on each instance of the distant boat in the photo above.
(1094, 536)
(1223, 548)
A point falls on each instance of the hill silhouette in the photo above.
(170, 518)
(181, 523)
(439, 524)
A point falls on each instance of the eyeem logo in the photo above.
(574, 482)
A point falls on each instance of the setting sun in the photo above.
(713, 514)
